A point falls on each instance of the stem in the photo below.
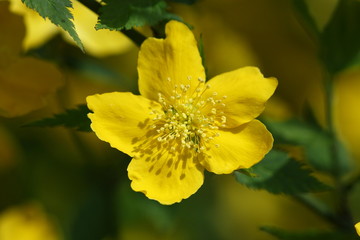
(92, 5)
(329, 105)
(341, 198)
(319, 208)
(134, 35)
(350, 184)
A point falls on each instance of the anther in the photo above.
(201, 80)
(185, 120)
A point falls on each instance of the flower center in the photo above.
(190, 117)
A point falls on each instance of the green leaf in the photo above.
(247, 172)
(71, 118)
(308, 21)
(58, 13)
(340, 40)
(126, 14)
(278, 173)
(307, 235)
(316, 143)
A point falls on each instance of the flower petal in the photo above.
(27, 221)
(26, 85)
(12, 34)
(357, 227)
(240, 147)
(121, 118)
(164, 175)
(246, 91)
(38, 29)
(174, 58)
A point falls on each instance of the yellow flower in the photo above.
(357, 227)
(181, 125)
(26, 83)
(27, 222)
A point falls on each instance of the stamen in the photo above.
(201, 80)
(189, 117)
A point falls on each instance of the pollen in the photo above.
(189, 117)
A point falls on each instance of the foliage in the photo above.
(71, 118)
(118, 15)
(279, 173)
(315, 141)
(339, 42)
(58, 12)
(340, 39)
(302, 8)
